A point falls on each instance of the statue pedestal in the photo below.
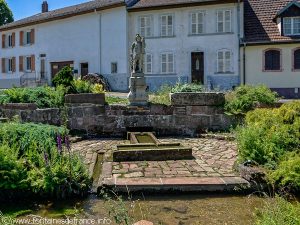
(137, 85)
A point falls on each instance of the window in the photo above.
(114, 67)
(197, 22)
(28, 63)
(291, 26)
(28, 38)
(10, 65)
(272, 60)
(148, 64)
(145, 26)
(224, 61)
(10, 40)
(167, 63)
(166, 27)
(296, 59)
(223, 21)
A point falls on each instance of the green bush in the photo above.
(287, 173)
(43, 97)
(245, 98)
(187, 88)
(37, 159)
(81, 86)
(12, 170)
(278, 211)
(64, 77)
(162, 96)
(269, 133)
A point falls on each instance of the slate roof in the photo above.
(259, 21)
(146, 4)
(64, 13)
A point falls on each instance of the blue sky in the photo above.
(24, 8)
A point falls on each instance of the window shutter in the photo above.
(21, 61)
(13, 39)
(32, 36)
(32, 63)
(3, 65)
(13, 64)
(3, 40)
(21, 38)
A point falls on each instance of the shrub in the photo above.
(187, 88)
(43, 97)
(287, 173)
(81, 86)
(12, 171)
(278, 211)
(269, 133)
(245, 98)
(38, 158)
(63, 77)
(162, 96)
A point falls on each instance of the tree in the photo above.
(6, 15)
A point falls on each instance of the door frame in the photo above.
(70, 62)
(204, 63)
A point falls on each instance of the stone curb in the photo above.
(184, 184)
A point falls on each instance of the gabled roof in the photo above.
(160, 4)
(66, 12)
(259, 24)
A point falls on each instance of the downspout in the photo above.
(244, 63)
(100, 45)
(239, 34)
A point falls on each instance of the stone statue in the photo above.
(138, 95)
(137, 54)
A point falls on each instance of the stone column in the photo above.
(137, 85)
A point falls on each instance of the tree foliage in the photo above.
(6, 15)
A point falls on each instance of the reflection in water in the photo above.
(161, 209)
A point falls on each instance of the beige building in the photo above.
(271, 48)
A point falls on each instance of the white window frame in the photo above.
(148, 64)
(226, 63)
(28, 69)
(9, 65)
(292, 21)
(169, 69)
(223, 21)
(167, 26)
(197, 13)
(148, 28)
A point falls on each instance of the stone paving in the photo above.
(213, 158)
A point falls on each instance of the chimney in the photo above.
(45, 7)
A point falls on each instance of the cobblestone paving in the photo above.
(213, 158)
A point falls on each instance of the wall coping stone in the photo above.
(19, 106)
(197, 99)
(98, 99)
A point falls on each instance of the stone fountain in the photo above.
(138, 95)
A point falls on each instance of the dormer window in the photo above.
(291, 26)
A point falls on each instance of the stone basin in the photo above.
(146, 147)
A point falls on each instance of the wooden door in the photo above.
(197, 67)
(57, 66)
(84, 69)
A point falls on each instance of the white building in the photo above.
(187, 40)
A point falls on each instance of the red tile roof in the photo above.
(64, 13)
(259, 24)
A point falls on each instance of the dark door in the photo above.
(57, 66)
(198, 67)
(84, 69)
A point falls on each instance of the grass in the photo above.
(279, 211)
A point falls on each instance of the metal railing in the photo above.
(35, 79)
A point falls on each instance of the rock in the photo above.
(143, 222)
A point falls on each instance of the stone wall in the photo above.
(189, 114)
